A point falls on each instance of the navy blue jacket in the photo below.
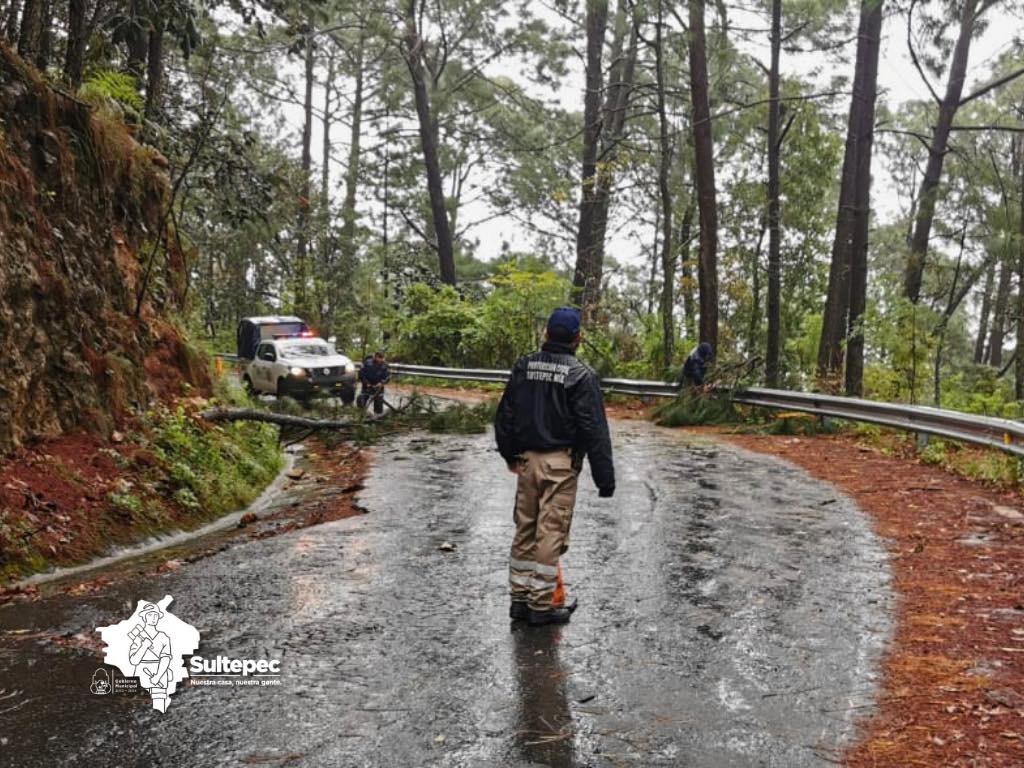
(695, 367)
(551, 401)
(372, 374)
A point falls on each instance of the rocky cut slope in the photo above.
(81, 203)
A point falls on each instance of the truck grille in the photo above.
(333, 373)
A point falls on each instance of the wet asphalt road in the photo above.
(732, 613)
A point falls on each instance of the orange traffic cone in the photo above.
(559, 599)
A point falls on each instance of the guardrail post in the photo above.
(922, 440)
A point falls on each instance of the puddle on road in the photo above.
(732, 614)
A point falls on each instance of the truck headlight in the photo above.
(297, 371)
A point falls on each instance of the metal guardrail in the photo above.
(1002, 434)
(454, 374)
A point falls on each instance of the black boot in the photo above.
(553, 616)
(570, 605)
(518, 610)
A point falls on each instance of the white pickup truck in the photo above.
(300, 367)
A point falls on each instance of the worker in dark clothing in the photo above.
(550, 417)
(695, 367)
(373, 375)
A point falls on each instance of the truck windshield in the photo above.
(305, 349)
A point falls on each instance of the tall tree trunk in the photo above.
(155, 71)
(587, 277)
(704, 174)
(1018, 372)
(652, 279)
(31, 21)
(325, 147)
(687, 283)
(753, 327)
(668, 256)
(348, 213)
(613, 128)
(858, 258)
(986, 309)
(997, 333)
(301, 270)
(836, 313)
(774, 234)
(327, 269)
(137, 40)
(11, 21)
(937, 154)
(951, 306)
(44, 46)
(74, 53)
(428, 141)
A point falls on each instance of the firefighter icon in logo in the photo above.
(150, 645)
(100, 682)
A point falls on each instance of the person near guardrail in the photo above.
(695, 367)
(373, 375)
(550, 417)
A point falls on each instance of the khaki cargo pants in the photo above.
(545, 496)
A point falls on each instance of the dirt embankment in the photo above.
(81, 203)
(320, 488)
(953, 688)
(89, 288)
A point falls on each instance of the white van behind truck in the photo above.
(252, 330)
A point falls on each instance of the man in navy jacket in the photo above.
(695, 367)
(550, 417)
(373, 375)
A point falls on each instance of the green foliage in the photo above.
(437, 326)
(117, 87)
(992, 467)
(463, 419)
(692, 409)
(511, 317)
(213, 469)
(127, 502)
(977, 389)
(799, 424)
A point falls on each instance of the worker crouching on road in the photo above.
(373, 375)
(550, 416)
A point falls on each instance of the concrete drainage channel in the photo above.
(171, 539)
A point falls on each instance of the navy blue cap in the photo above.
(564, 324)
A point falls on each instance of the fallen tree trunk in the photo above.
(251, 414)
